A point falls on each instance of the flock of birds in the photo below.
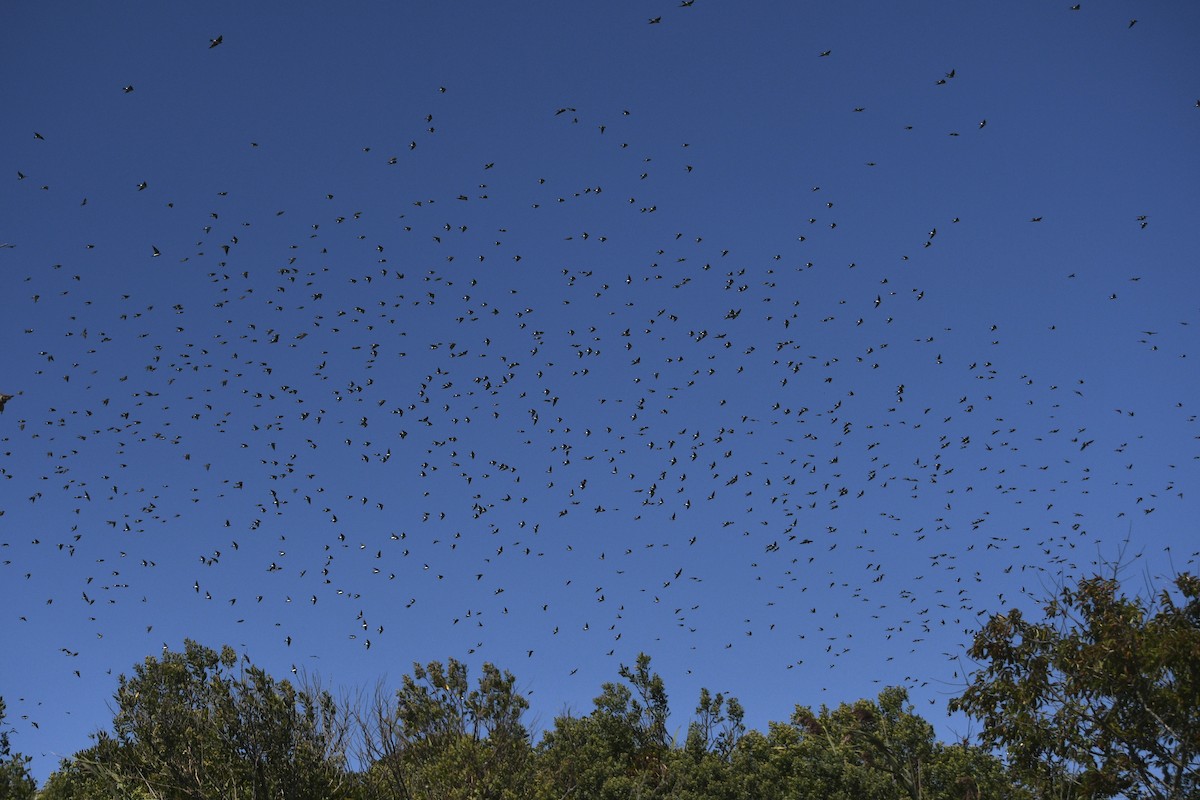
(524, 413)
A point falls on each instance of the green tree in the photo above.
(702, 767)
(884, 736)
(76, 779)
(769, 765)
(619, 750)
(718, 725)
(440, 738)
(883, 749)
(1100, 699)
(965, 771)
(15, 781)
(199, 724)
(866, 748)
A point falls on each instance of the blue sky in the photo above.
(550, 388)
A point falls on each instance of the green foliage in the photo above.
(964, 771)
(882, 749)
(717, 728)
(1100, 699)
(439, 738)
(203, 724)
(77, 779)
(868, 748)
(197, 724)
(767, 766)
(15, 780)
(620, 750)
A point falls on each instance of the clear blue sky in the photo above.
(341, 324)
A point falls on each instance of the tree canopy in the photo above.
(1102, 697)
(15, 781)
(1099, 699)
(201, 723)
